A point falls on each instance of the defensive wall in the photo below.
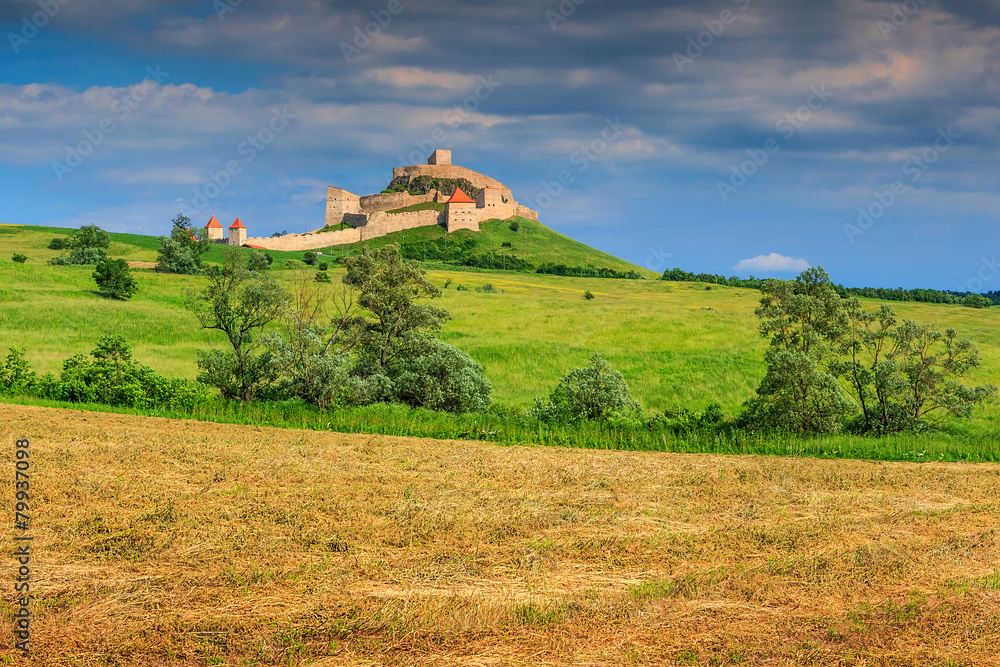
(370, 218)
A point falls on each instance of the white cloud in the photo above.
(772, 262)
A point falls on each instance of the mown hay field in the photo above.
(164, 542)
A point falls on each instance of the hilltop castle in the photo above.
(441, 199)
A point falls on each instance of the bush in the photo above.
(506, 244)
(79, 256)
(114, 278)
(488, 288)
(259, 261)
(514, 226)
(90, 236)
(977, 301)
(441, 377)
(588, 295)
(309, 258)
(61, 243)
(596, 392)
(323, 277)
(323, 266)
(16, 376)
(19, 258)
(461, 288)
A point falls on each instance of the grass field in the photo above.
(176, 543)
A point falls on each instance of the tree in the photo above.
(182, 251)
(19, 258)
(803, 318)
(595, 392)
(113, 276)
(239, 303)
(259, 261)
(90, 236)
(388, 288)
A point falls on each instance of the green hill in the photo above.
(676, 343)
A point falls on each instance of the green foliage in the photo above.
(587, 272)
(422, 206)
(588, 295)
(488, 288)
(113, 277)
(437, 376)
(238, 303)
(902, 377)
(16, 376)
(61, 243)
(112, 377)
(323, 266)
(182, 251)
(596, 392)
(309, 258)
(19, 258)
(389, 288)
(322, 277)
(259, 261)
(514, 226)
(422, 185)
(977, 301)
(79, 255)
(90, 236)
(461, 288)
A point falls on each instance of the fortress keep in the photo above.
(351, 218)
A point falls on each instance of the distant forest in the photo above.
(886, 294)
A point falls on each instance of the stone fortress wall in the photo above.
(369, 215)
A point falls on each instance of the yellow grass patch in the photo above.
(184, 543)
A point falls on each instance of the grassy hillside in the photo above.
(675, 343)
(533, 242)
(178, 543)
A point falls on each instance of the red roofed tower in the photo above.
(237, 233)
(460, 212)
(214, 229)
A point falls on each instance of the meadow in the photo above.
(676, 343)
(175, 543)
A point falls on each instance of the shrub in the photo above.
(79, 256)
(90, 236)
(506, 244)
(595, 392)
(461, 288)
(323, 277)
(174, 257)
(309, 258)
(976, 301)
(488, 288)
(113, 277)
(447, 282)
(61, 243)
(259, 261)
(16, 376)
(323, 266)
(514, 226)
(588, 295)
(438, 376)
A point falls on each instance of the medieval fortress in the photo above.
(351, 218)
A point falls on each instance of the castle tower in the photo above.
(460, 212)
(237, 233)
(214, 230)
(440, 156)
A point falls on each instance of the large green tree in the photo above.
(239, 303)
(114, 278)
(182, 251)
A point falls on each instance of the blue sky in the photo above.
(731, 136)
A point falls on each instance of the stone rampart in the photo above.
(448, 171)
(381, 223)
(387, 202)
(308, 241)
